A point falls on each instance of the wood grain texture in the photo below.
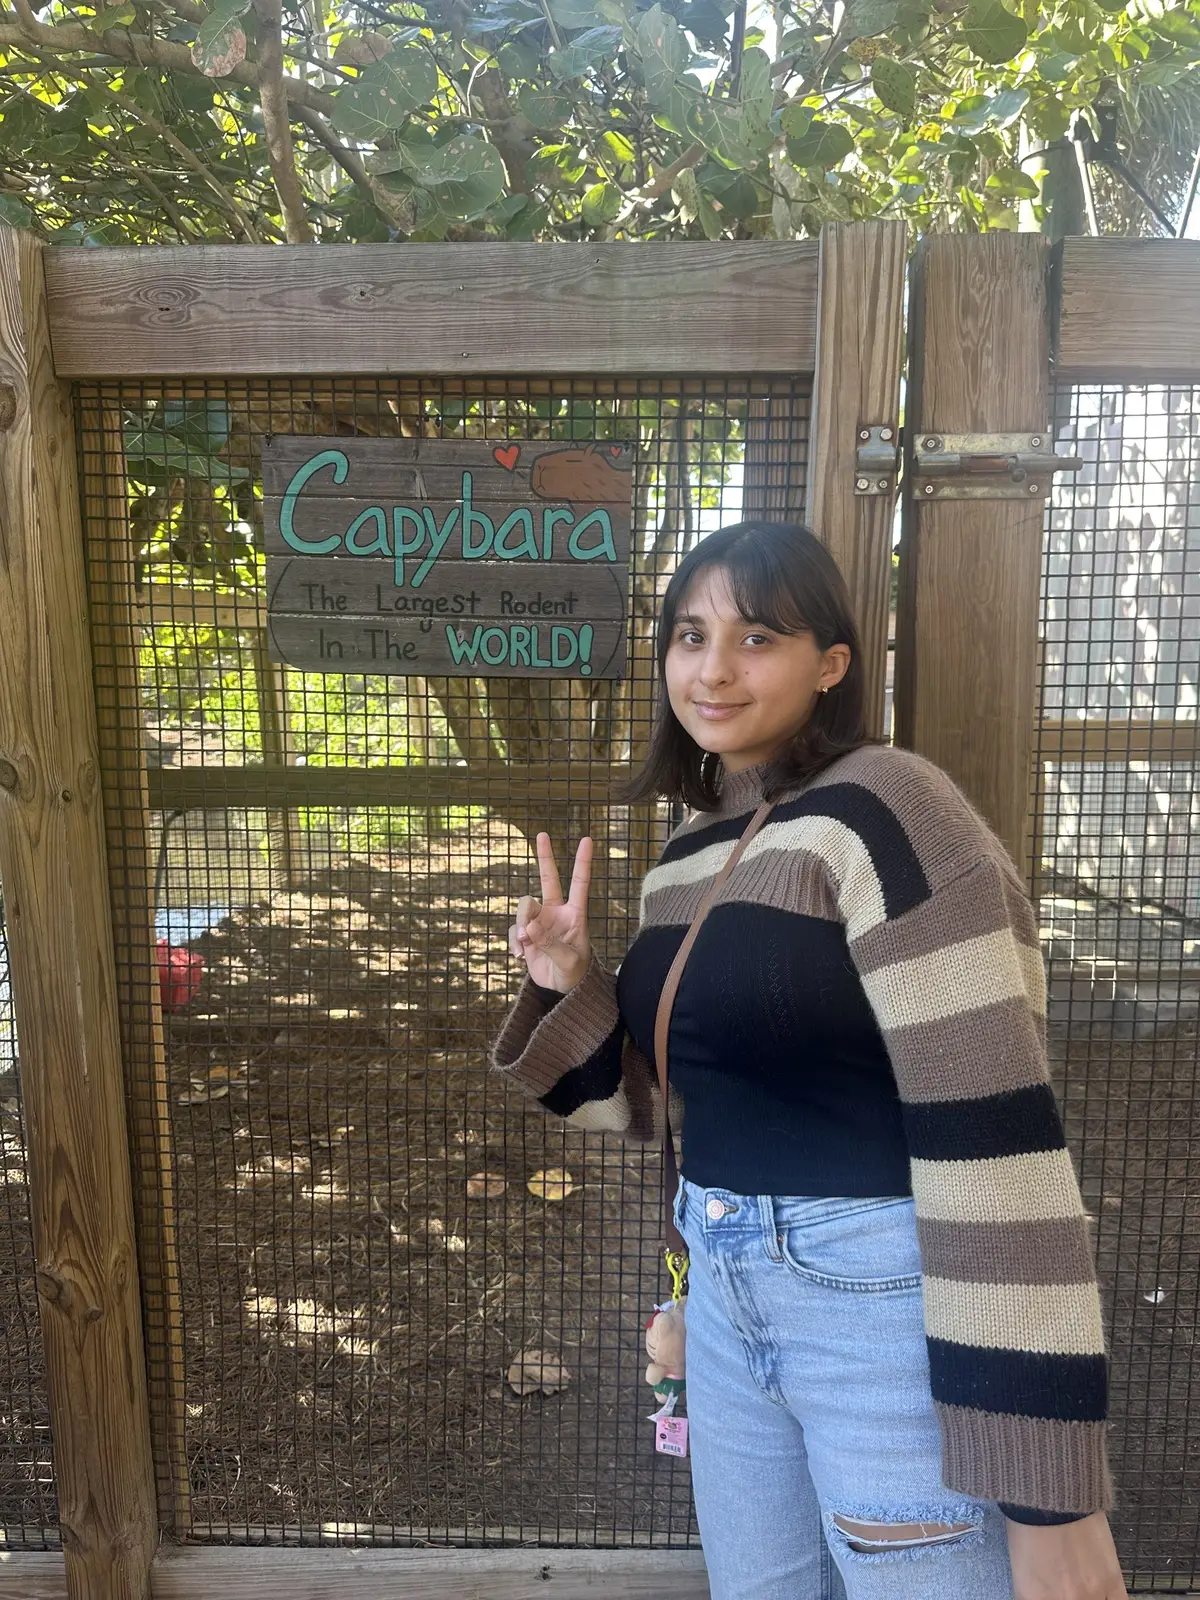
(52, 862)
(513, 308)
(215, 788)
(860, 348)
(132, 845)
(199, 1573)
(537, 647)
(194, 1574)
(966, 657)
(1129, 311)
(364, 587)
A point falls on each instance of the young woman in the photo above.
(896, 1375)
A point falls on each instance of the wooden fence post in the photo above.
(132, 850)
(52, 860)
(966, 659)
(860, 328)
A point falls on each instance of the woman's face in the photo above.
(739, 689)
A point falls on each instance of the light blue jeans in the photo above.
(808, 1394)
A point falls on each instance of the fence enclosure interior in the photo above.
(347, 1230)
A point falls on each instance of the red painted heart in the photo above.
(507, 455)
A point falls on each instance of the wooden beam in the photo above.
(1129, 311)
(966, 649)
(860, 341)
(201, 608)
(453, 309)
(1119, 739)
(53, 866)
(132, 856)
(196, 1572)
(279, 788)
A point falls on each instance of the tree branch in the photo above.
(186, 155)
(67, 38)
(350, 161)
(277, 122)
(509, 131)
(665, 177)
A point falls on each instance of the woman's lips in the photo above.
(716, 713)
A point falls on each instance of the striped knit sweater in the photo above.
(944, 942)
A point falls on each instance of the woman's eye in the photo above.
(760, 638)
(688, 635)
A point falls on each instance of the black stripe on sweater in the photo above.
(597, 1078)
(900, 874)
(1016, 1123)
(1019, 1382)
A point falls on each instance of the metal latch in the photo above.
(877, 460)
(987, 466)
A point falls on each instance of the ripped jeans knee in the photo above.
(863, 1535)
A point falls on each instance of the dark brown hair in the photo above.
(782, 577)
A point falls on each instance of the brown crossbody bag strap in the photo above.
(662, 1027)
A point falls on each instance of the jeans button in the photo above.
(715, 1209)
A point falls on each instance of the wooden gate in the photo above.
(330, 1285)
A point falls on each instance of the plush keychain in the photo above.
(666, 1343)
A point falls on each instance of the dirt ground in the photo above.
(350, 1310)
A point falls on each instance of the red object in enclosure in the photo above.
(180, 973)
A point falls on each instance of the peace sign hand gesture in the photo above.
(552, 933)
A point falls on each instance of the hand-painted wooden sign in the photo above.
(431, 556)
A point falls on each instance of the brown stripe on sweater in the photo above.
(978, 903)
(1052, 1251)
(1040, 1462)
(970, 1056)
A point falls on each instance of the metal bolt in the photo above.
(864, 434)
(861, 483)
(881, 485)
(928, 488)
(885, 433)
(933, 442)
(1034, 488)
(1036, 440)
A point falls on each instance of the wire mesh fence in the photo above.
(349, 1230)
(28, 1512)
(1117, 870)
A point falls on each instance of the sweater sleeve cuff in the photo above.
(538, 1043)
(1033, 1518)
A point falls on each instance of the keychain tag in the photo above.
(670, 1436)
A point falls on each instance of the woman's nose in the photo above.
(714, 668)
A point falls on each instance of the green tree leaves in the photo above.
(993, 33)
(384, 96)
(895, 84)
(577, 118)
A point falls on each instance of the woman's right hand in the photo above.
(551, 933)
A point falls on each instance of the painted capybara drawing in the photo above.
(598, 474)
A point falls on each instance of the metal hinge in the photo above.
(877, 459)
(986, 466)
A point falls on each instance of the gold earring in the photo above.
(824, 688)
